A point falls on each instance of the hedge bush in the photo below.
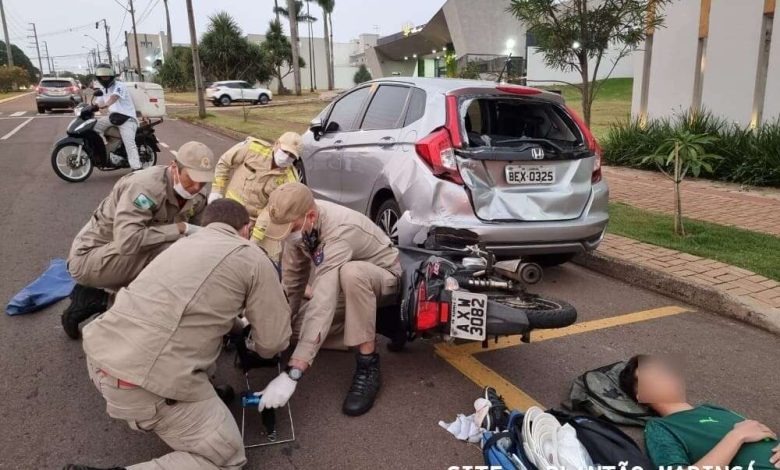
(750, 156)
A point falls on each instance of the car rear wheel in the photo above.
(224, 100)
(387, 216)
(41, 110)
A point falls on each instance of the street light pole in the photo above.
(135, 41)
(108, 42)
(196, 61)
(98, 48)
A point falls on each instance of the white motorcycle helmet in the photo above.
(105, 75)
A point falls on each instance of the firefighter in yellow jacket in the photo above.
(249, 172)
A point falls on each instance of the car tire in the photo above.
(548, 261)
(263, 99)
(387, 216)
(41, 110)
(224, 100)
(216, 103)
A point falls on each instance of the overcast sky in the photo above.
(54, 17)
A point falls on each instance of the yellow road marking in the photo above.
(462, 358)
(593, 325)
(483, 375)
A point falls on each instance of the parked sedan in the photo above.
(57, 93)
(512, 164)
(225, 92)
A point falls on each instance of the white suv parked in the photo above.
(225, 92)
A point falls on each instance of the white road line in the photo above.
(16, 129)
(19, 113)
(164, 144)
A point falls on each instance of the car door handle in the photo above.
(386, 141)
(337, 143)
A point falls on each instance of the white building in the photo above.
(713, 54)
(471, 31)
(316, 72)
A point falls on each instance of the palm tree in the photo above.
(293, 13)
(327, 9)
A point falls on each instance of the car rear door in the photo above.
(376, 144)
(525, 159)
(323, 166)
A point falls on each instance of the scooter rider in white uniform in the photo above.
(116, 98)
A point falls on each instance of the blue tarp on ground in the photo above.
(54, 285)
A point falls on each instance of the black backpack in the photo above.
(597, 392)
(606, 443)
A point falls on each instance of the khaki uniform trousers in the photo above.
(203, 434)
(104, 268)
(364, 287)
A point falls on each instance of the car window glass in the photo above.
(346, 109)
(386, 108)
(416, 106)
(56, 83)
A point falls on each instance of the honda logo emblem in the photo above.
(537, 153)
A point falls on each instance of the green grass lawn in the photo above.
(9, 94)
(266, 123)
(754, 251)
(613, 103)
(190, 97)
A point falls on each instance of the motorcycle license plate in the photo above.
(468, 319)
(526, 174)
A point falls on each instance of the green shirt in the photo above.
(685, 437)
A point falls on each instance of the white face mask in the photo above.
(283, 159)
(177, 186)
(296, 236)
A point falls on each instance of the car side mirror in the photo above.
(333, 126)
(315, 126)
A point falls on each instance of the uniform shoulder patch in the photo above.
(144, 202)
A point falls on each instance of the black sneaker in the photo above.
(497, 418)
(365, 385)
(84, 302)
(72, 466)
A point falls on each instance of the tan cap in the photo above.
(287, 204)
(198, 159)
(291, 142)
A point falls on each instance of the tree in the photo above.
(13, 77)
(20, 60)
(362, 75)
(682, 152)
(293, 11)
(573, 34)
(176, 73)
(327, 9)
(227, 55)
(277, 52)
(299, 15)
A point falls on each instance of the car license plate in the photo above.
(58, 92)
(526, 174)
(468, 319)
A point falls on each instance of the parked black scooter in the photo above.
(75, 156)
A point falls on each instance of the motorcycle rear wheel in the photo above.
(69, 164)
(542, 312)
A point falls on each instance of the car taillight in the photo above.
(41, 90)
(430, 313)
(74, 89)
(438, 148)
(593, 145)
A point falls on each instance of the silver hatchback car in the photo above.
(510, 163)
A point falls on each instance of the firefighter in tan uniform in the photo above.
(146, 211)
(249, 172)
(148, 355)
(352, 266)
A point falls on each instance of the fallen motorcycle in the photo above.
(75, 156)
(454, 288)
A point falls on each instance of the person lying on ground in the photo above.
(687, 436)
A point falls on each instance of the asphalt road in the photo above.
(52, 415)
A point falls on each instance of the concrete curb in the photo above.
(701, 296)
(219, 130)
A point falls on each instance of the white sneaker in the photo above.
(116, 160)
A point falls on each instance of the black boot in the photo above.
(497, 418)
(71, 466)
(84, 302)
(365, 385)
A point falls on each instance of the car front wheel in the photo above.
(263, 99)
(387, 217)
(225, 100)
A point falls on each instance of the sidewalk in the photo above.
(706, 283)
(721, 203)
